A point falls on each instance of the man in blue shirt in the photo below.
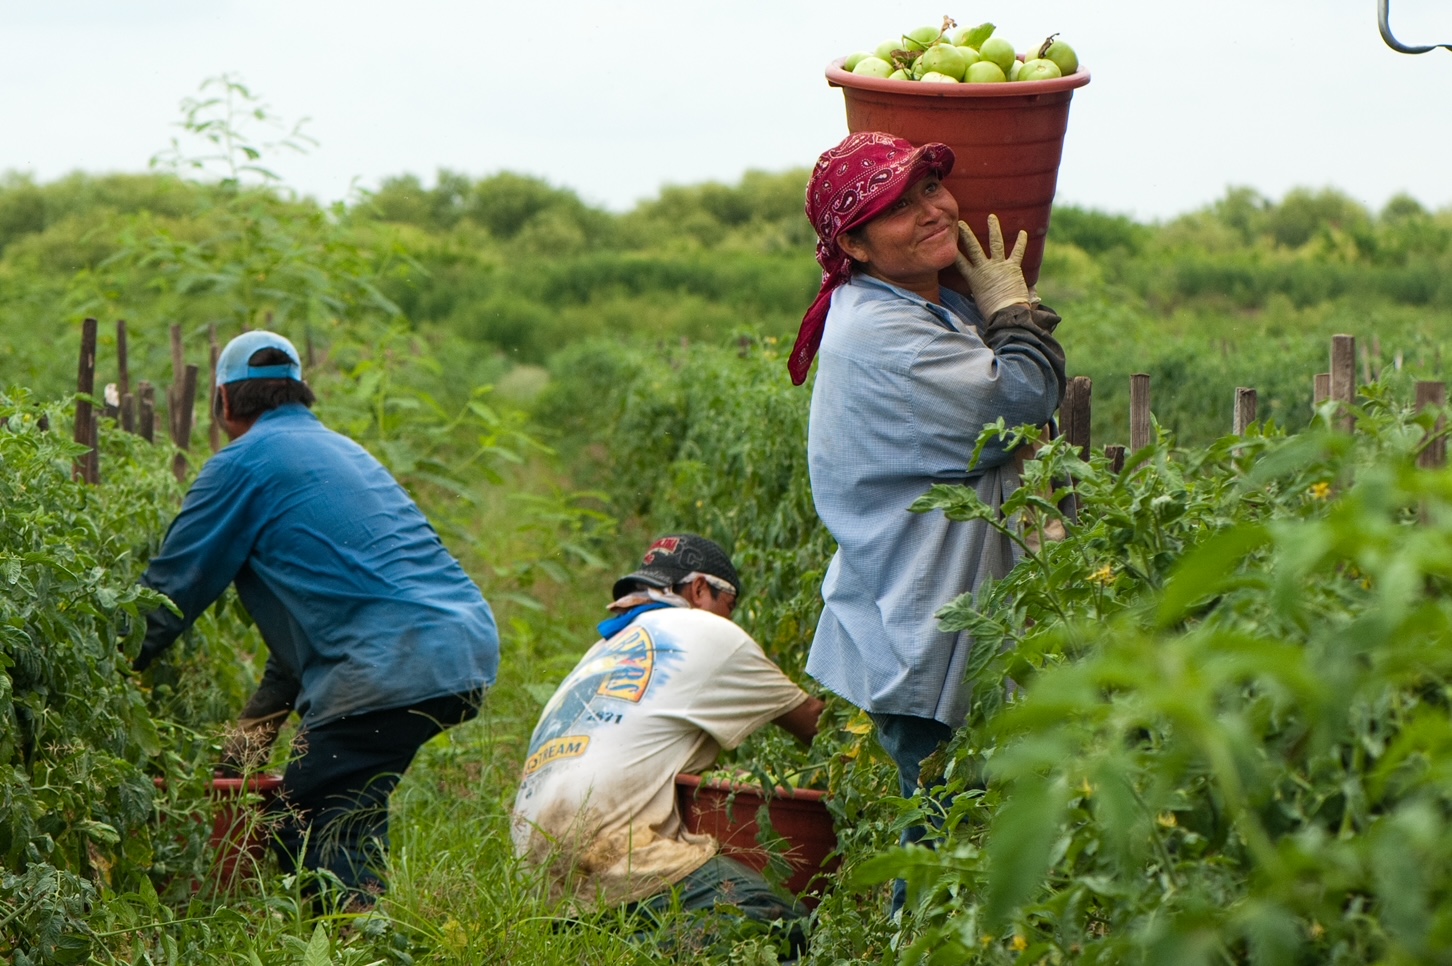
(376, 636)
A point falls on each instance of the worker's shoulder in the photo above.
(290, 429)
(688, 627)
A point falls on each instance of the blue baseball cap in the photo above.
(233, 365)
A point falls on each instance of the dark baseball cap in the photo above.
(674, 557)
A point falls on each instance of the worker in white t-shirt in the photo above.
(671, 682)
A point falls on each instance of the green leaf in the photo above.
(1205, 570)
(1020, 843)
(319, 951)
(974, 38)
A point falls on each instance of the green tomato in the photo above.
(921, 38)
(985, 72)
(885, 49)
(1040, 68)
(900, 74)
(944, 59)
(872, 67)
(999, 51)
(971, 54)
(853, 59)
(1061, 54)
(933, 77)
(1015, 69)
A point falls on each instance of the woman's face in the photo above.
(910, 242)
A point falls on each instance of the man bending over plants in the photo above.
(670, 683)
(376, 637)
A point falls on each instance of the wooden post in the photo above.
(1343, 377)
(93, 458)
(186, 397)
(123, 368)
(214, 428)
(173, 391)
(1433, 395)
(1074, 414)
(85, 386)
(1245, 406)
(146, 411)
(1116, 458)
(1139, 411)
(1320, 389)
(128, 413)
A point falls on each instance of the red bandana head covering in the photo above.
(853, 183)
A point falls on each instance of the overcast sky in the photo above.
(615, 99)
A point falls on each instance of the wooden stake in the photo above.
(1116, 458)
(128, 413)
(1343, 378)
(1245, 406)
(93, 458)
(1433, 395)
(187, 397)
(123, 369)
(1139, 411)
(214, 428)
(146, 411)
(1074, 414)
(173, 391)
(85, 386)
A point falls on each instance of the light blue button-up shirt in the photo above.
(903, 388)
(351, 588)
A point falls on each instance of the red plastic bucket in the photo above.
(727, 811)
(240, 835)
(1008, 140)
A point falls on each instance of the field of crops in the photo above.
(1209, 726)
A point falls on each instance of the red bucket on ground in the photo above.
(1008, 140)
(727, 811)
(240, 836)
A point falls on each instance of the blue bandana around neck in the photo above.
(614, 625)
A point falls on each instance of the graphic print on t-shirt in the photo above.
(620, 670)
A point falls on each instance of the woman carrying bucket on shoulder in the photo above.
(909, 372)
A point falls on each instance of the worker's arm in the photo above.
(205, 547)
(801, 721)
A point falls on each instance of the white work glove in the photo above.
(995, 282)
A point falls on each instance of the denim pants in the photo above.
(334, 803)
(908, 740)
(725, 880)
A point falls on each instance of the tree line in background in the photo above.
(508, 269)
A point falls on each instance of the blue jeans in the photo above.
(724, 880)
(908, 740)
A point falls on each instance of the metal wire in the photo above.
(1392, 42)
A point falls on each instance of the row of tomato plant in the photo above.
(1209, 726)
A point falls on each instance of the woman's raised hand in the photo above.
(995, 280)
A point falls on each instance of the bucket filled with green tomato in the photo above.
(1004, 110)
